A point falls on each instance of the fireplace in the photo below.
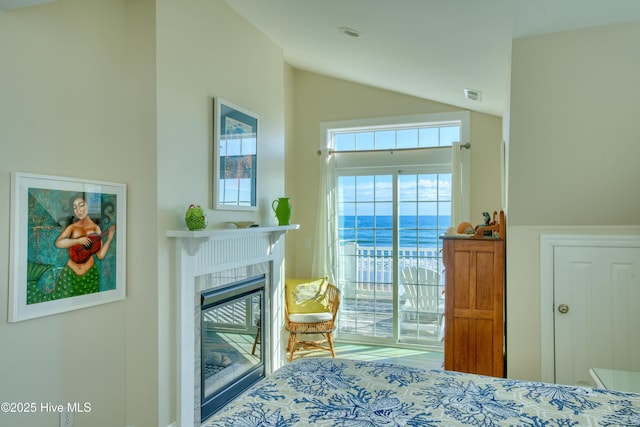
(207, 263)
(231, 357)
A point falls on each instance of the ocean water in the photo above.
(414, 232)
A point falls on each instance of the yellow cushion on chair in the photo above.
(307, 295)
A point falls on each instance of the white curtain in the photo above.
(326, 247)
(457, 207)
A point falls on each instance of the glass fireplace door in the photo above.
(231, 345)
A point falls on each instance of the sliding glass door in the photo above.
(389, 262)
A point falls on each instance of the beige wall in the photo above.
(290, 164)
(573, 153)
(122, 91)
(574, 140)
(78, 101)
(205, 50)
(319, 98)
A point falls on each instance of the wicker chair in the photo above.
(322, 323)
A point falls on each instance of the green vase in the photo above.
(282, 209)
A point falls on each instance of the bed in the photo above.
(341, 392)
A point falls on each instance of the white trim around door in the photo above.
(548, 244)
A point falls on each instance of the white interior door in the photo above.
(596, 316)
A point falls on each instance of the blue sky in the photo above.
(418, 194)
(401, 138)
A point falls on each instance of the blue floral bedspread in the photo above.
(340, 392)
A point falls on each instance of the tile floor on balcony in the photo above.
(369, 318)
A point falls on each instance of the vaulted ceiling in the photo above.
(432, 49)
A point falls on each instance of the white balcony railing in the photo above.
(366, 280)
(368, 271)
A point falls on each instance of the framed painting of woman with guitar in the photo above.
(68, 244)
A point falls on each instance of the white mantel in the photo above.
(204, 252)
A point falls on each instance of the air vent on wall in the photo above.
(472, 94)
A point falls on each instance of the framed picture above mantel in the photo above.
(235, 157)
(67, 244)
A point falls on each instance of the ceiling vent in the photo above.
(349, 32)
(472, 94)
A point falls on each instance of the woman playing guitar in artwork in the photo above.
(83, 240)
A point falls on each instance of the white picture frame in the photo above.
(68, 244)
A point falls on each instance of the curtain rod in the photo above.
(466, 145)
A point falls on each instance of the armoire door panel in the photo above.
(460, 361)
(474, 305)
(483, 339)
(484, 284)
(461, 275)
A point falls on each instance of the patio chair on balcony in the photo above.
(423, 305)
(311, 307)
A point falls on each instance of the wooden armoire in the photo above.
(474, 339)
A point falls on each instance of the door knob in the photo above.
(563, 308)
